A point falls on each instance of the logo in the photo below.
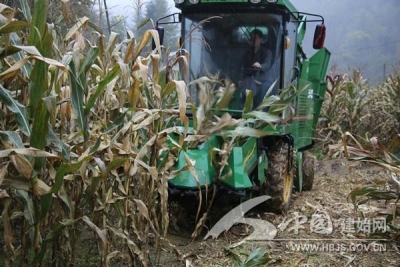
(320, 223)
(263, 230)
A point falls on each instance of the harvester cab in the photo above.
(258, 46)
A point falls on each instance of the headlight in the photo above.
(193, 1)
(179, 1)
(255, 1)
(272, 1)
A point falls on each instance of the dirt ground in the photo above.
(299, 241)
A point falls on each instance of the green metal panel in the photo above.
(309, 102)
(201, 159)
(205, 172)
(285, 3)
(241, 160)
(317, 76)
(235, 175)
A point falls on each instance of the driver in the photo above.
(256, 62)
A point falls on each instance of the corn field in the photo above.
(363, 110)
(361, 123)
(85, 138)
(78, 165)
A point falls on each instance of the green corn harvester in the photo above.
(276, 163)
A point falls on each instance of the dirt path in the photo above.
(318, 230)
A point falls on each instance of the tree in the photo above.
(119, 25)
(139, 7)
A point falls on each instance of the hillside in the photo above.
(361, 34)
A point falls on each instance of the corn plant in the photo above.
(96, 175)
(257, 257)
(345, 105)
(354, 106)
(372, 151)
(384, 110)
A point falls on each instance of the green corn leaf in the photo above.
(89, 60)
(258, 257)
(53, 235)
(46, 199)
(61, 146)
(77, 97)
(119, 121)
(88, 196)
(18, 110)
(16, 40)
(39, 23)
(26, 200)
(26, 10)
(39, 131)
(45, 202)
(13, 26)
(39, 37)
(13, 138)
(38, 84)
(29, 213)
(95, 147)
(101, 87)
(62, 171)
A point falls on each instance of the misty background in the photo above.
(362, 35)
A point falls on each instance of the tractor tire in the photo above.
(279, 177)
(308, 170)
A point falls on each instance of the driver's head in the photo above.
(256, 37)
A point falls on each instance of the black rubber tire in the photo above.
(279, 177)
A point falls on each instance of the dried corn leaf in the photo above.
(22, 165)
(82, 22)
(5, 201)
(32, 152)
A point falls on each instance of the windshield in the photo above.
(242, 47)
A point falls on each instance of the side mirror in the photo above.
(160, 31)
(319, 36)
